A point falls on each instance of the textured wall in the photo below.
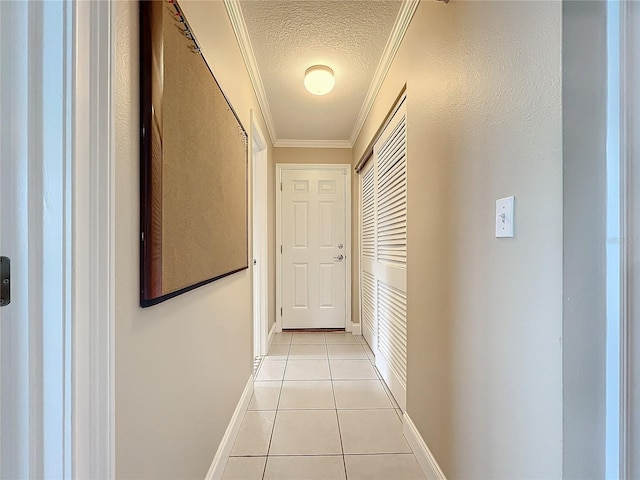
(484, 314)
(180, 366)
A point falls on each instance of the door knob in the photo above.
(339, 258)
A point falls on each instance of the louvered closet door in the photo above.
(368, 255)
(390, 271)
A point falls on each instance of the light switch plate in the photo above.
(504, 217)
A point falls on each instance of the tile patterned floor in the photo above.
(320, 411)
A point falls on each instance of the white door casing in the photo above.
(313, 246)
(56, 171)
(630, 149)
(259, 235)
(313, 236)
(35, 167)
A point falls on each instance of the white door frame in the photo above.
(93, 254)
(280, 167)
(260, 264)
(630, 247)
(78, 38)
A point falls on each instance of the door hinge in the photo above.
(280, 186)
(280, 248)
(280, 311)
(5, 281)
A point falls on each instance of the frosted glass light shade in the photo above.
(319, 80)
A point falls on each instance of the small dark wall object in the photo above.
(5, 281)
(193, 205)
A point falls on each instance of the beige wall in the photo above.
(484, 314)
(312, 155)
(181, 366)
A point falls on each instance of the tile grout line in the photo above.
(335, 404)
(333, 381)
(275, 416)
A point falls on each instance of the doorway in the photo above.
(313, 210)
(56, 172)
(259, 235)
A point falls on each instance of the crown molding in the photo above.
(285, 143)
(242, 35)
(407, 9)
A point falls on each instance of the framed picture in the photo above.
(193, 205)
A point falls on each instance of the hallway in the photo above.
(320, 411)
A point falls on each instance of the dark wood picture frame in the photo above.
(194, 163)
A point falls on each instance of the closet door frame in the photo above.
(372, 341)
(389, 272)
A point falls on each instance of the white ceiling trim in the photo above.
(242, 35)
(407, 9)
(313, 143)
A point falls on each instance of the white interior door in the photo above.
(314, 247)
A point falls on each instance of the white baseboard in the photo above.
(426, 460)
(224, 449)
(356, 328)
(272, 332)
(278, 324)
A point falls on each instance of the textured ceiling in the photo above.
(289, 36)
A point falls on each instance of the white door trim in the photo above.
(93, 242)
(280, 167)
(259, 241)
(79, 202)
(630, 232)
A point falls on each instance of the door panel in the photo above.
(327, 278)
(367, 255)
(313, 228)
(301, 285)
(390, 165)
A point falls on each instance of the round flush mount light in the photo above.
(319, 80)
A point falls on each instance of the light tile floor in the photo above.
(320, 411)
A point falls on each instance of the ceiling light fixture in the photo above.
(319, 80)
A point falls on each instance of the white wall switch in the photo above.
(504, 217)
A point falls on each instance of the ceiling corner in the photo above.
(242, 35)
(407, 9)
(286, 143)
